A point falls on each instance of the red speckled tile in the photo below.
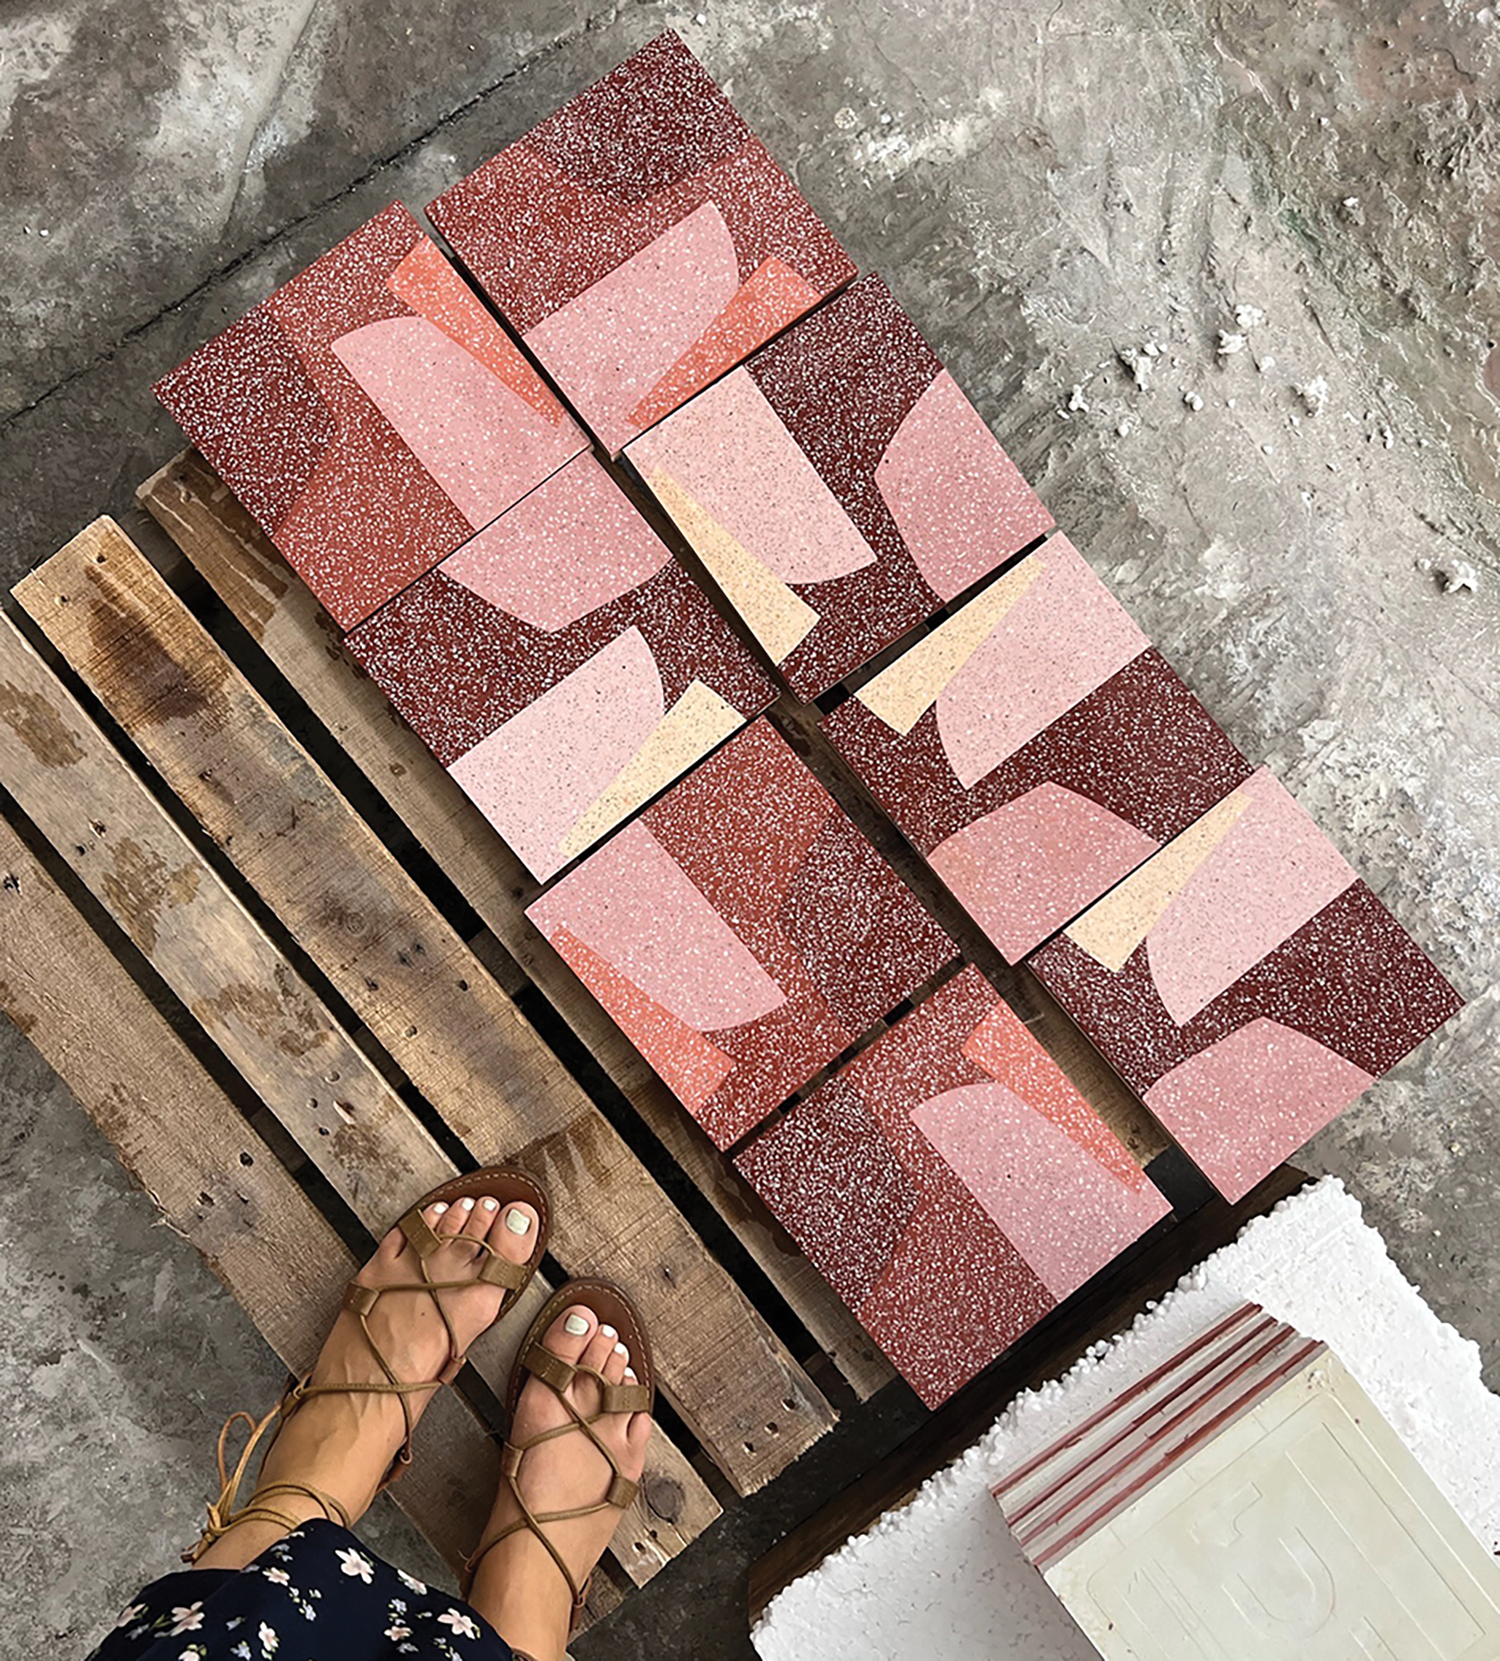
(1036, 748)
(1246, 984)
(742, 932)
(641, 241)
(371, 415)
(562, 666)
(951, 1185)
(839, 487)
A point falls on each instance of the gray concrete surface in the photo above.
(1075, 197)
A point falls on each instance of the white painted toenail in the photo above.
(517, 1221)
(440, 1208)
(492, 1205)
(630, 1372)
(468, 1205)
(609, 1332)
(576, 1325)
(621, 1350)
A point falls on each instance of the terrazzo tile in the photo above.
(839, 487)
(1036, 748)
(1246, 984)
(371, 415)
(951, 1185)
(641, 241)
(1247, 1499)
(562, 667)
(742, 932)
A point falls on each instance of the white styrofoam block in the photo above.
(943, 1575)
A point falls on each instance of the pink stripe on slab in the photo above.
(536, 774)
(1062, 639)
(1244, 1104)
(1271, 873)
(1028, 868)
(573, 545)
(958, 500)
(638, 909)
(1060, 1208)
(730, 452)
(483, 443)
(610, 345)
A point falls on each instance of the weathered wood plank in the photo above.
(214, 1181)
(187, 498)
(175, 907)
(418, 987)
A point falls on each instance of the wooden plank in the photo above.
(1105, 1307)
(175, 907)
(418, 987)
(212, 1178)
(187, 498)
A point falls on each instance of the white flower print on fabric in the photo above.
(268, 1639)
(411, 1584)
(241, 1650)
(133, 1613)
(277, 1577)
(186, 1618)
(397, 1633)
(462, 1626)
(356, 1565)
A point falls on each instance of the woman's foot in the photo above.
(343, 1444)
(517, 1587)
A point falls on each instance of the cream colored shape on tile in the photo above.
(779, 619)
(901, 695)
(1111, 930)
(699, 720)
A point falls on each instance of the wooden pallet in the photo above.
(321, 996)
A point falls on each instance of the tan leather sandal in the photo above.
(500, 1182)
(614, 1309)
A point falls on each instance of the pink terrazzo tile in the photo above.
(951, 1185)
(562, 667)
(839, 487)
(371, 415)
(1246, 984)
(1035, 748)
(641, 241)
(742, 932)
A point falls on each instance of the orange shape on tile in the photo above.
(691, 1066)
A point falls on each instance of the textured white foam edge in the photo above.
(943, 1576)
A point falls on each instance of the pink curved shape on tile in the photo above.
(536, 774)
(1061, 640)
(639, 910)
(1060, 1208)
(959, 501)
(484, 444)
(573, 545)
(1029, 867)
(730, 452)
(1273, 872)
(610, 345)
(1247, 1102)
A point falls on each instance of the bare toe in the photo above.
(513, 1235)
(481, 1218)
(616, 1362)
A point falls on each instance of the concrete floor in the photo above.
(1074, 197)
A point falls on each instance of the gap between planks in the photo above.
(181, 916)
(439, 1014)
(236, 559)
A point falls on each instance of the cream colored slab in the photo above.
(1304, 1532)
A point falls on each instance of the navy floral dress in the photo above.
(316, 1595)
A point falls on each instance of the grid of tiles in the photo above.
(840, 490)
